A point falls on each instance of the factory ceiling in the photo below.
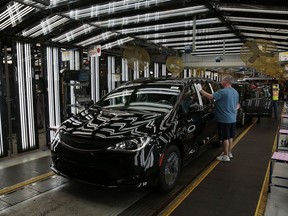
(202, 28)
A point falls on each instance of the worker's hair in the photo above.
(229, 79)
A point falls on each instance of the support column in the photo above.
(156, 70)
(111, 73)
(28, 132)
(185, 73)
(164, 70)
(95, 76)
(74, 64)
(136, 70)
(190, 73)
(4, 131)
(146, 71)
(124, 70)
(53, 82)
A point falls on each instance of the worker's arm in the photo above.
(203, 92)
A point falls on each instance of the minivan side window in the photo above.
(194, 96)
(215, 86)
(190, 98)
(206, 87)
(186, 101)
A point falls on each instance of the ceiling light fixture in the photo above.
(253, 10)
(13, 14)
(112, 7)
(210, 37)
(258, 20)
(71, 35)
(45, 27)
(262, 29)
(183, 24)
(148, 17)
(117, 43)
(97, 39)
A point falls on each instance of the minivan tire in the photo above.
(170, 169)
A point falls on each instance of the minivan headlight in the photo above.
(132, 145)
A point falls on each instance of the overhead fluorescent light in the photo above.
(268, 36)
(184, 32)
(237, 45)
(73, 34)
(117, 43)
(183, 24)
(46, 26)
(258, 11)
(112, 7)
(218, 49)
(206, 37)
(257, 20)
(94, 40)
(215, 53)
(14, 14)
(150, 17)
(44, 2)
(227, 40)
(262, 29)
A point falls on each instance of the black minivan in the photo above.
(139, 134)
(253, 102)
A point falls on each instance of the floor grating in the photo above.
(19, 196)
(3, 205)
(48, 184)
(30, 191)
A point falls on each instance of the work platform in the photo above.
(233, 188)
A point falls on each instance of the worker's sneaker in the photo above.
(223, 157)
(229, 154)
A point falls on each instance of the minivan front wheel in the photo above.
(170, 169)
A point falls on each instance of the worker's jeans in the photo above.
(275, 108)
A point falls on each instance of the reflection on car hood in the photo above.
(114, 123)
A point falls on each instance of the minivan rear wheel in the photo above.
(170, 169)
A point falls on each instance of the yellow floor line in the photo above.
(179, 199)
(262, 202)
(25, 183)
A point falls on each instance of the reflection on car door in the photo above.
(209, 124)
(199, 121)
(189, 106)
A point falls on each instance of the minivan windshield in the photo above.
(148, 96)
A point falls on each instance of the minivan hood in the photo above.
(114, 123)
